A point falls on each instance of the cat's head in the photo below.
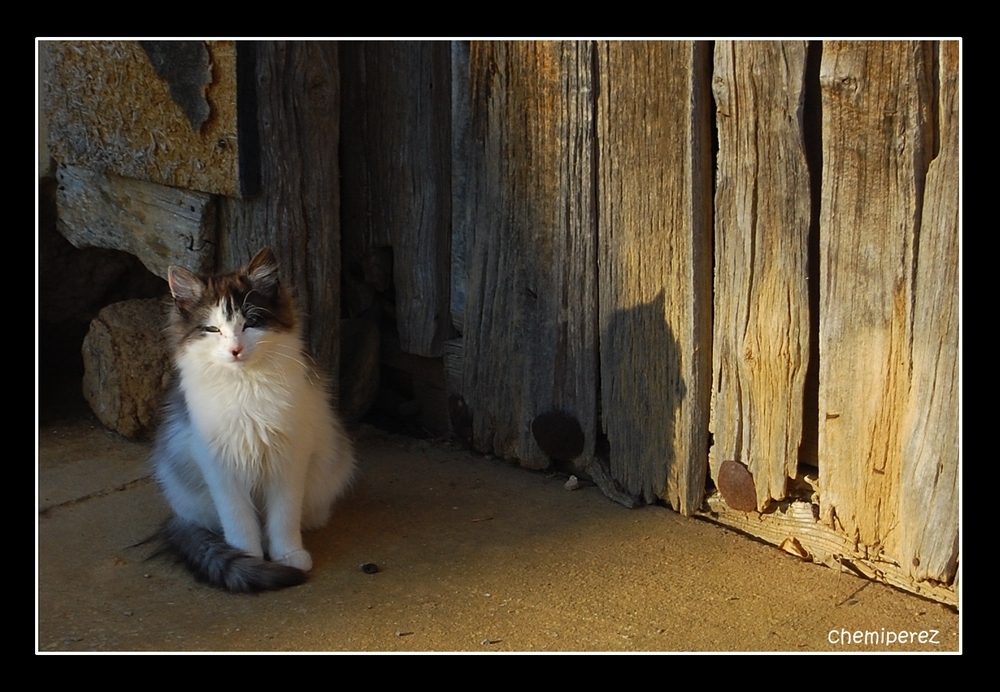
(229, 318)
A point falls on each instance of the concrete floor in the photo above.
(475, 555)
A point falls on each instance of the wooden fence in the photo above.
(787, 300)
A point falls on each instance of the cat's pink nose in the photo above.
(236, 351)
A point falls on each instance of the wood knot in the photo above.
(737, 486)
(558, 435)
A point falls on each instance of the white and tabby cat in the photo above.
(249, 451)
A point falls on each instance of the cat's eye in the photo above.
(210, 328)
(251, 322)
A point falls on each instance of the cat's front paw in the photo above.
(300, 559)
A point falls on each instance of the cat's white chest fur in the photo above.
(249, 412)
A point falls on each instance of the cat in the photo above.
(249, 451)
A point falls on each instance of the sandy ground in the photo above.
(474, 555)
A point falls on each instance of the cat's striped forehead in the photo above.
(201, 301)
(234, 296)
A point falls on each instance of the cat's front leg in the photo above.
(284, 496)
(232, 495)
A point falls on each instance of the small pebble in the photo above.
(370, 568)
(572, 484)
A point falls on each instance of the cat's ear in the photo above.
(262, 271)
(185, 287)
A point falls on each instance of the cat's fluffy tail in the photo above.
(216, 562)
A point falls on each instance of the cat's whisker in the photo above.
(254, 310)
(283, 354)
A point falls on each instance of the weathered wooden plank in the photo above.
(877, 140)
(795, 528)
(453, 365)
(655, 265)
(462, 151)
(530, 332)
(929, 513)
(762, 210)
(297, 212)
(397, 176)
(108, 110)
(160, 225)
